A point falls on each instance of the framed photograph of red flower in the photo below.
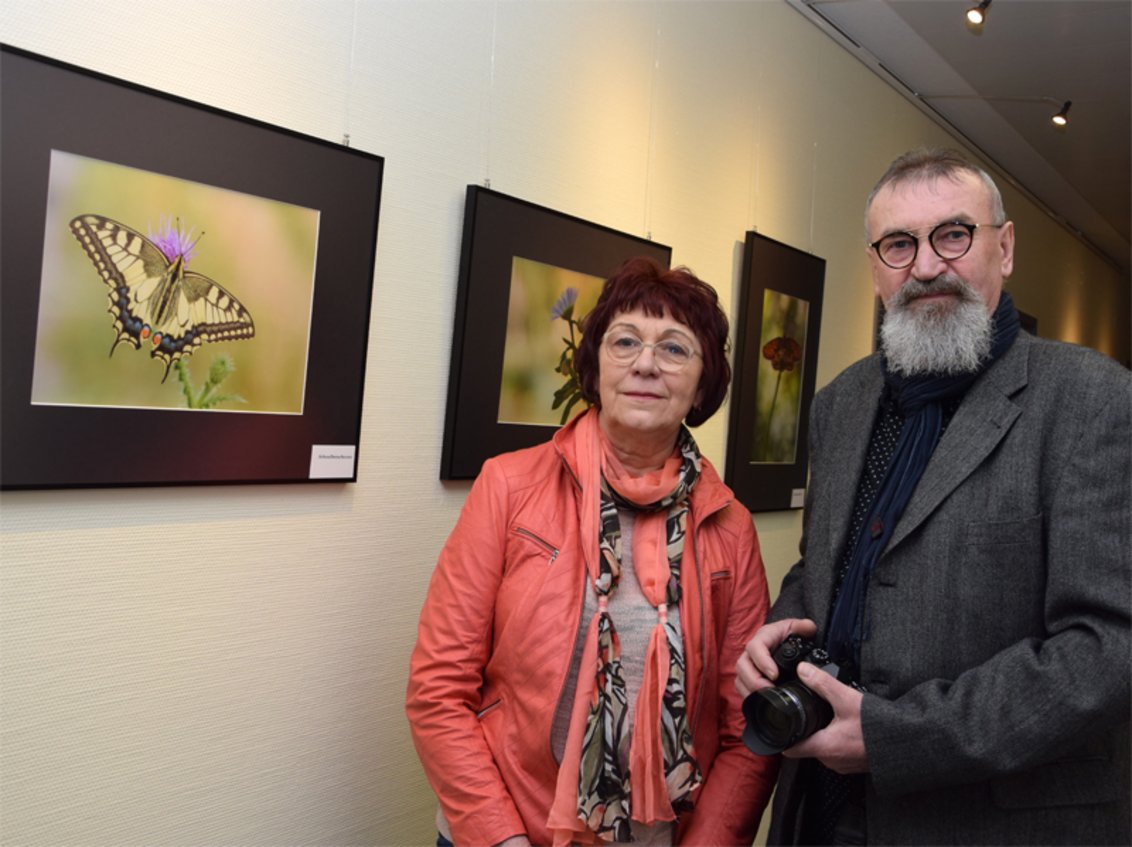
(528, 276)
(776, 349)
(185, 292)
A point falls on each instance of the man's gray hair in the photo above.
(932, 163)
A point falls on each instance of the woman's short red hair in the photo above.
(641, 283)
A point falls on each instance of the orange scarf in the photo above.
(594, 800)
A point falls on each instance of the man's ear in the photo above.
(1006, 244)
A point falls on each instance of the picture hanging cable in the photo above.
(652, 130)
(488, 120)
(350, 78)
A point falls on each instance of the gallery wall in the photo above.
(224, 665)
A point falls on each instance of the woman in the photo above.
(573, 678)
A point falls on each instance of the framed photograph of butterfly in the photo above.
(186, 304)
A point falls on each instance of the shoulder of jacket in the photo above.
(724, 512)
(863, 375)
(520, 470)
(1060, 359)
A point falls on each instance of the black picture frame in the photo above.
(498, 228)
(47, 105)
(778, 485)
(1028, 322)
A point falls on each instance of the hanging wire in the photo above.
(653, 85)
(489, 119)
(813, 195)
(756, 149)
(350, 77)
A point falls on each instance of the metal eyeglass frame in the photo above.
(666, 367)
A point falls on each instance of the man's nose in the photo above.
(928, 265)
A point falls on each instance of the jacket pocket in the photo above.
(549, 550)
(489, 708)
(1025, 531)
(1068, 782)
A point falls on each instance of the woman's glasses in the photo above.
(672, 354)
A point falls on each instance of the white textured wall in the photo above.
(226, 665)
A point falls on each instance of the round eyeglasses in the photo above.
(671, 355)
(950, 240)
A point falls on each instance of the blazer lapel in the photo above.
(850, 426)
(981, 422)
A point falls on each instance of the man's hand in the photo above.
(755, 668)
(841, 745)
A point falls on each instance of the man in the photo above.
(965, 557)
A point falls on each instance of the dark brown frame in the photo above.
(45, 105)
(496, 229)
(770, 264)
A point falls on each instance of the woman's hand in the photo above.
(515, 841)
(755, 668)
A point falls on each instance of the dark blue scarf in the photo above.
(920, 401)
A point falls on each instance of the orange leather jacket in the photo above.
(497, 633)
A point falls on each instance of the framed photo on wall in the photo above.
(528, 275)
(776, 351)
(186, 292)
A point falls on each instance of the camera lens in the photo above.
(780, 717)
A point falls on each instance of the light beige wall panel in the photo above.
(227, 665)
(569, 103)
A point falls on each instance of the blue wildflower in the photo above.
(565, 302)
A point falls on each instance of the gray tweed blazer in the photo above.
(998, 655)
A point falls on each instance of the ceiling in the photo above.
(998, 88)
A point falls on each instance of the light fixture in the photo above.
(1059, 120)
(976, 15)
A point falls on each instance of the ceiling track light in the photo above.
(976, 15)
(1059, 120)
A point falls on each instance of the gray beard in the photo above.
(943, 338)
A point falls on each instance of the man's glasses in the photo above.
(672, 355)
(950, 240)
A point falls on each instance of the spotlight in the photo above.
(977, 14)
(1062, 117)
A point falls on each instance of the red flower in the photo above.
(784, 353)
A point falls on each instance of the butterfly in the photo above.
(153, 298)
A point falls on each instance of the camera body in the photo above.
(780, 717)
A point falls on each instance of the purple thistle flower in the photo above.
(567, 300)
(173, 241)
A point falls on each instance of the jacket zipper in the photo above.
(490, 707)
(551, 550)
(695, 536)
(562, 686)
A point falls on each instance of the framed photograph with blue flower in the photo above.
(183, 304)
(528, 276)
(776, 349)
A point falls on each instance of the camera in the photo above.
(782, 716)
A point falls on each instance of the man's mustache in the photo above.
(943, 284)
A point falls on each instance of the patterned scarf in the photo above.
(663, 774)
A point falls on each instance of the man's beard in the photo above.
(941, 337)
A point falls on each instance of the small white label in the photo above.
(797, 498)
(332, 461)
